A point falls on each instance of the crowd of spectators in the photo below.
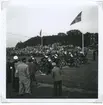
(39, 50)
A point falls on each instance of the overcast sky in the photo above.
(25, 18)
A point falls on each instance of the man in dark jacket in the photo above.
(32, 69)
(15, 80)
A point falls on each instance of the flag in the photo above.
(77, 19)
(40, 33)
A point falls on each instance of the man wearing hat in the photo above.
(15, 79)
(57, 78)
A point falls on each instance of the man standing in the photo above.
(57, 77)
(15, 80)
(32, 71)
(22, 71)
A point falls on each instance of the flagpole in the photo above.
(41, 41)
(82, 38)
(83, 43)
(41, 38)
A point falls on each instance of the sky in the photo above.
(25, 18)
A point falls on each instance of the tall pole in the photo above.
(83, 43)
(41, 37)
(82, 38)
(41, 41)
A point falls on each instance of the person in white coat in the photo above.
(22, 71)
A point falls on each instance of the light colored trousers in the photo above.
(24, 86)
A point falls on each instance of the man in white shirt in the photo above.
(57, 78)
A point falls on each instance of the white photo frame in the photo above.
(3, 9)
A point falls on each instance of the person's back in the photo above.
(23, 72)
(32, 68)
(57, 77)
(57, 74)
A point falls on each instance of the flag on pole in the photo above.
(40, 32)
(77, 19)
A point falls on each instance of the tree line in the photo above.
(72, 37)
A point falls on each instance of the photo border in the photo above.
(3, 63)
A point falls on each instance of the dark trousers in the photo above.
(32, 78)
(57, 88)
(16, 84)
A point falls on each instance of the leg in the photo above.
(55, 88)
(60, 88)
(31, 82)
(27, 86)
(17, 84)
(35, 79)
(21, 88)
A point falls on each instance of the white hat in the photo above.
(15, 57)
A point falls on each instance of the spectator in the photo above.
(24, 78)
(15, 79)
(57, 77)
(32, 70)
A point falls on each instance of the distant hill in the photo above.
(73, 37)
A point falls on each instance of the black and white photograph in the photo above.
(51, 49)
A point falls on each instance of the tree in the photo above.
(61, 34)
(72, 37)
(75, 37)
